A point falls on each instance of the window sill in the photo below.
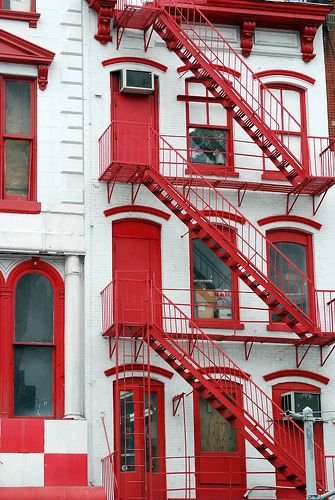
(214, 170)
(222, 324)
(273, 176)
(30, 17)
(20, 206)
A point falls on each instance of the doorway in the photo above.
(140, 438)
(136, 263)
(220, 451)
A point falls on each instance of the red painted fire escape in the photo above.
(191, 197)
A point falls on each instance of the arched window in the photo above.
(297, 246)
(34, 333)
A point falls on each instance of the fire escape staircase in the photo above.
(209, 370)
(205, 53)
(248, 258)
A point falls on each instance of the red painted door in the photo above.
(136, 262)
(220, 452)
(139, 431)
(133, 118)
(278, 390)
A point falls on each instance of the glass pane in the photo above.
(208, 146)
(18, 107)
(19, 5)
(151, 432)
(286, 277)
(217, 434)
(127, 435)
(33, 372)
(217, 115)
(34, 309)
(17, 157)
(212, 282)
(197, 113)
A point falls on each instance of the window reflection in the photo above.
(208, 145)
(33, 381)
(151, 432)
(127, 437)
(212, 283)
(286, 277)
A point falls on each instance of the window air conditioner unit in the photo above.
(297, 401)
(136, 82)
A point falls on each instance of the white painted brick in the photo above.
(22, 469)
(65, 436)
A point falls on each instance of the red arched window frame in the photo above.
(7, 342)
(306, 240)
(304, 155)
(234, 321)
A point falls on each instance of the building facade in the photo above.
(166, 280)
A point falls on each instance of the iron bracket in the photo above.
(135, 191)
(247, 350)
(324, 359)
(110, 189)
(147, 39)
(176, 400)
(111, 347)
(240, 195)
(304, 354)
(316, 206)
(137, 350)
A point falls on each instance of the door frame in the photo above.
(140, 385)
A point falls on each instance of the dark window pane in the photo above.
(212, 281)
(127, 436)
(217, 434)
(17, 154)
(18, 107)
(34, 309)
(33, 370)
(208, 145)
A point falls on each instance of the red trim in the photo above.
(224, 215)
(53, 493)
(289, 218)
(285, 72)
(31, 17)
(137, 208)
(131, 367)
(17, 50)
(227, 371)
(137, 60)
(34, 265)
(297, 373)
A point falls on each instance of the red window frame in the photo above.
(12, 203)
(30, 16)
(305, 239)
(208, 168)
(269, 174)
(224, 323)
(7, 340)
